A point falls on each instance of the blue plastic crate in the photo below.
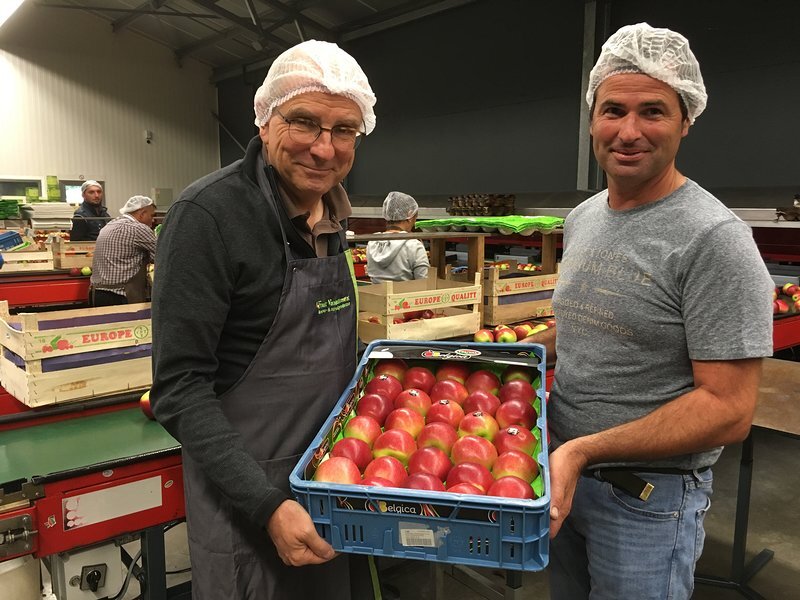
(9, 239)
(481, 531)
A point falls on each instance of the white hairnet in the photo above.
(134, 204)
(399, 207)
(89, 183)
(314, 66)
(660, 53)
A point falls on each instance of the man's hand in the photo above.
(297, 542)
(566, 464)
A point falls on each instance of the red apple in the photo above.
(483, 401)
(517, 372)
(515, 438)
(522, 331)
(387, 467)
(465, 488)
(397, 443)
(517, 388)
(338, 469)
(411, 315)
(364, 428)
(375, 406)
(423, 481)
(414, 399)
(430, 459)
(445, 411)
(550, 323)
(377, 482)
(450, 389)
(74, 272)
(144, 404)
(473, 448)
(473, 473)
(511, 487)
(506, 336)
(453, 370)
(483, 335)
(406, 419)
(483, 379)
(478, 423)
(516, 463)
(428, 314)
(419, 378)
(396, 367)
(499, 328)
(385, 385)
(355, 449)
(516, 412)
(438, 434)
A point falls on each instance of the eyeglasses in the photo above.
(306, 131)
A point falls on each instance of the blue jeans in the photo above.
(616, 547)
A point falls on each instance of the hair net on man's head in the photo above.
(89, 183)
(134, 204)
(399, 207)
(314, 66)
(660, 53)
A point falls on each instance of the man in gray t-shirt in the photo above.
(663, 314)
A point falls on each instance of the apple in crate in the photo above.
(419, 378)
(453, 370)
(511, 487)
(506, 336)
(423, 481)
(519, 389)
(364, 428)
(515, 438)
(376, 406)
(471, 473)
(338, 469)
(483, 379)
(355, 449)
(385, 385)
(483, 401)
(428, 314)
(516, 372)
(397, 443)
(74, 272)
(500, 328)
(406, 419)
(451, 390)
(445, 411)
(388, 468)
(414, 399)
(522, 331)
(516, 412)
(475, 449)
(478, 423)
(515, 463)
(144, 404)
(377, 482)
(430, 459)
(86, 271)
(438, 434)
(484, 336)
(465, 488)
(396, 367)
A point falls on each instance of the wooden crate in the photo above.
(513, 299)
(61, 356)
(69, 255)
(455, 304)
(23, 260)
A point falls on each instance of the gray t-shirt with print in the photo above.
(642, 293)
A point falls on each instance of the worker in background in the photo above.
(662, 318)
(247, 367)
(397, 260)
(124, 249)
(91, 215)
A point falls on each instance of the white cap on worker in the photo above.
(89, 183)
(399, 207)
(314, 66)
(134, 204)
(660, 53)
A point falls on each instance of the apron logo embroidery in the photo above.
(330, 305)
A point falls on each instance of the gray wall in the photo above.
(486, 98)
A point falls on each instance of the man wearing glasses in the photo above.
(247, 366)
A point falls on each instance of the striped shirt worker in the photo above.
(123, 246)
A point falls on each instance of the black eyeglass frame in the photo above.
(290, 122)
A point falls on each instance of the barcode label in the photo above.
(417, 537)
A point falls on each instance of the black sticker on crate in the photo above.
(454, 351)
(417, 509)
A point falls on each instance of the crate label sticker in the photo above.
(411, 535)
(536, 283)
(437, 299)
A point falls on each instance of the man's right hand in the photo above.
(295, 538)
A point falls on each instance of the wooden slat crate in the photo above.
(513, 299)
(69, 255)
(61, 356)
(24, 260)
(454, 304)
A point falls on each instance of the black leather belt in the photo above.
(625, 478)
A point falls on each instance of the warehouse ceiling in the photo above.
(232, 36)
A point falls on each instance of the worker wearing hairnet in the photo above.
(91, 216)
(247, 367)
(663, 314)
(397, 260)
(123, 250)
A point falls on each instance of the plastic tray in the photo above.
(480, 531)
